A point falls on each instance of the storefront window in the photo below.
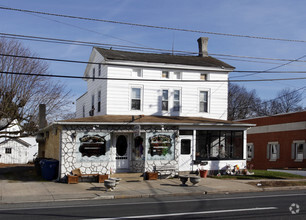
(92, 145)
(219, 145)
(161, 147)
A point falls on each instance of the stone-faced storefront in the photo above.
(109, 144)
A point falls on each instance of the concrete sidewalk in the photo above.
(20, 192)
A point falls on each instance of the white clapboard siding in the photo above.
(116, 94)
(18, 155)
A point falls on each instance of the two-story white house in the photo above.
(142, 110)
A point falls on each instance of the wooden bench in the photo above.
(165, 168)
(78, 176)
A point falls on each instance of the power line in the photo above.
(135, 48)
(99, 63)
(150, 80)
(153, 26)
(273, 68)
(85, 43)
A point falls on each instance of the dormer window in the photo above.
(203, 76)
(165, 74)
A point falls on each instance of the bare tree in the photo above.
(246, 104)
(241, 103)
(287, 100)
(21, 94)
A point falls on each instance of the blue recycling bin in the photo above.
(49, 169)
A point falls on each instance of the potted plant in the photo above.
(203, 172)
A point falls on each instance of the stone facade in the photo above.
(72, 158)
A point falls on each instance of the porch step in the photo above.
(129, 177)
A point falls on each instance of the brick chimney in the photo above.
(202, 42)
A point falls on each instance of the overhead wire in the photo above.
(152, 26)
(133, 48)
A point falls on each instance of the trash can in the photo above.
(49, 169)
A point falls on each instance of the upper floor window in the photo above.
(165, 102)
(203, 101)
(273, 150)
(136, 73)
(99, 69)
(203, 76)
(93, 74)
(92, 110)
(99, 101)
(83, 111)
(136, 99)
(177, 75)
(165, 74)
(176, 100)
(298, 151)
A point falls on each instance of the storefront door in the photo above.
(122, 152)
(185, 157)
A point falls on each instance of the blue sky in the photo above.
(266, 18)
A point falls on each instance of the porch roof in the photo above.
(151, 119)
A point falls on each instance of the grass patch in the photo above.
(262, 174)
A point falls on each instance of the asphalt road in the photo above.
(264, 205)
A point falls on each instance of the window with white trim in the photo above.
(136, 99)
(176, 100)
(273, 151)
(177, 75)
(298, 150)
(165, 100)
(203, 105)
(8, 150)
(250, 151)
(203, 76)
(165, 74)
(137, 73)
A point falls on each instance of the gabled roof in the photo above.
(17, 140)
(116, 55)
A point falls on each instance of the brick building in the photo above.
(277, 141)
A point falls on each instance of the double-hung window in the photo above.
(99, 69)
(203, 101)
(273, 151)
(136, 99)
(176, 100)
(165, 102)
(298, 151)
